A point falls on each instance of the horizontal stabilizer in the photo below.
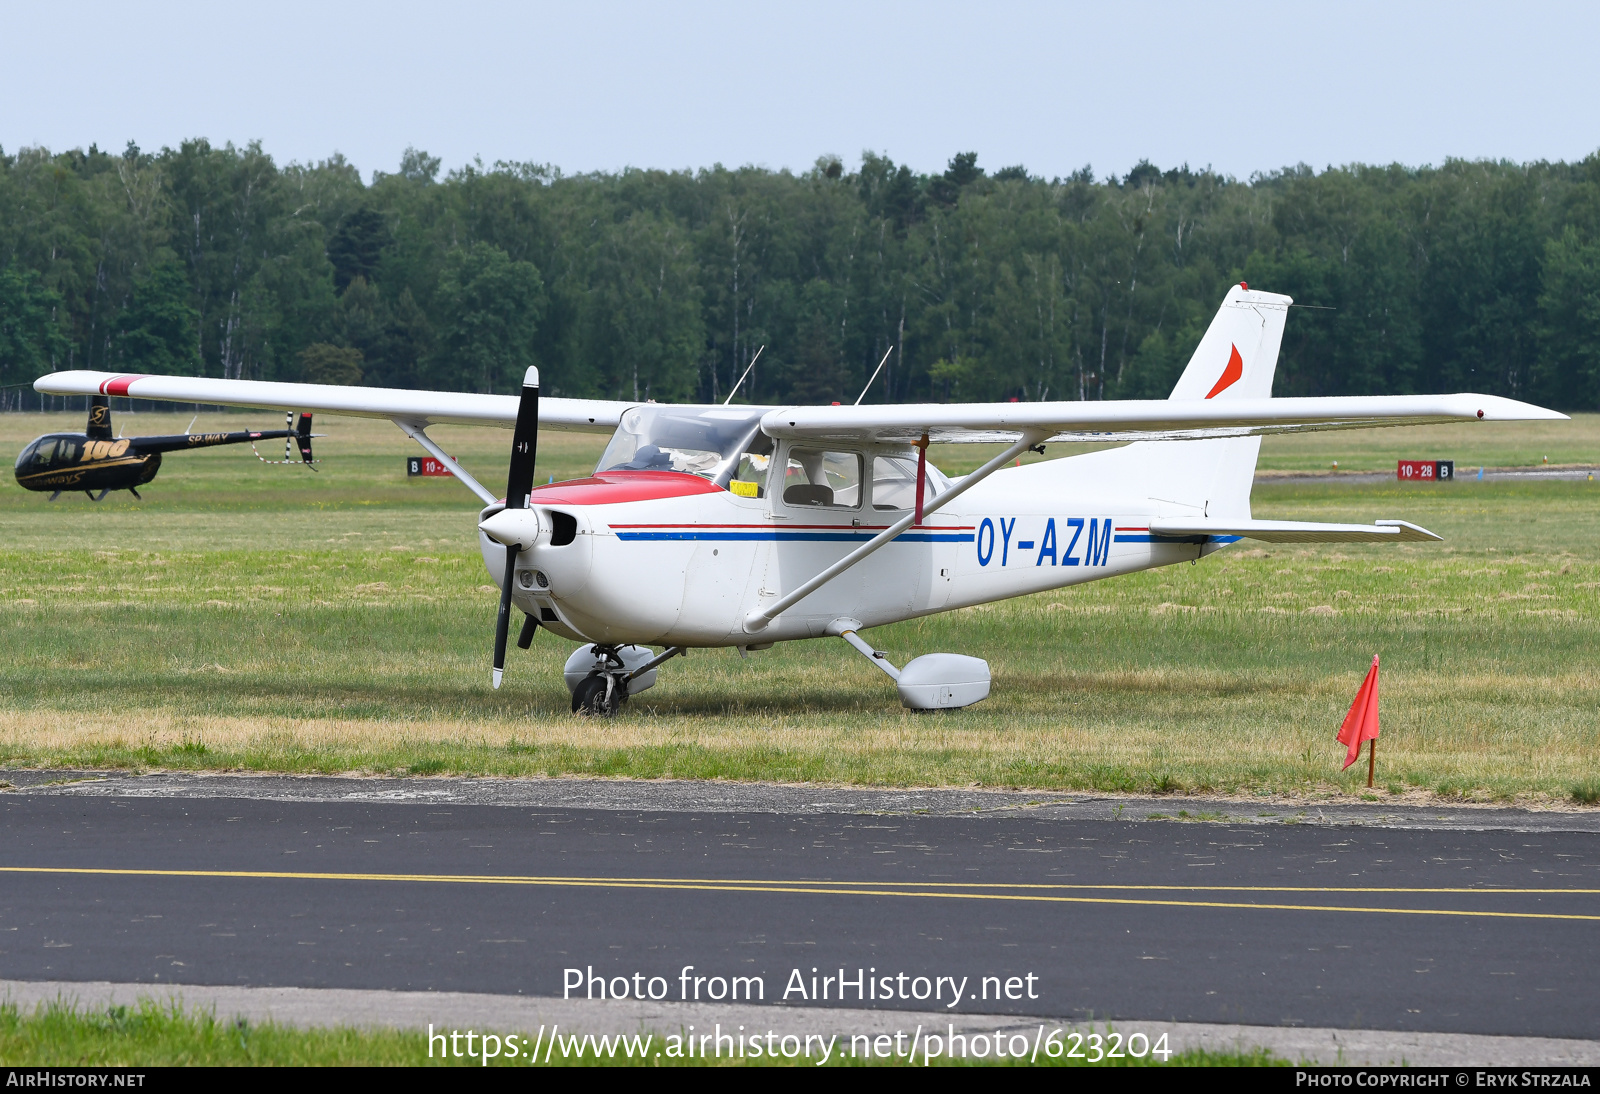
(1294, 531)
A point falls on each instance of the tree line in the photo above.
(978, 284)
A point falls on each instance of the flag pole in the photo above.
(1372, 760)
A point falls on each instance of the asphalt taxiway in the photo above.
(1376, 917)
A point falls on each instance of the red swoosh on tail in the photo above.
(1231, 374)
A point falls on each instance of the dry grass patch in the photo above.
(1241, 743)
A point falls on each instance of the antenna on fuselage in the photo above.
(875, 372)
(747, 369)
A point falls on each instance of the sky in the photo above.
(601, 86)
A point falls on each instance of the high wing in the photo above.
(1136, 419)
(946, 423)
(421, 408)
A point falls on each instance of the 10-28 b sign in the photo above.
(425, 465)
(1426, 470)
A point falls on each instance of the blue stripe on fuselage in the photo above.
(798, 537)
(1147, 538)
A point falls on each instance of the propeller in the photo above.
(519, 482)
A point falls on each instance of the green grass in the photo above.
(264, 618)
(149, 1034)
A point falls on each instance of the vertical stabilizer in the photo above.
(1239, 353)
(99, 427)
(1236, 359)
(303, 437)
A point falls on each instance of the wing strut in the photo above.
(758, 619)
(420, 435)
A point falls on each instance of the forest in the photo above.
(979, 283)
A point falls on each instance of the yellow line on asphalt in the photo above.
(511, 879)
(812, 888)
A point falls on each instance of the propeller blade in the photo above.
(519, 481)
(524, 444)
(502, 624)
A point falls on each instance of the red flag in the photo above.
(1361, 724)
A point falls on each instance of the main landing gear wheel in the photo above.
(599, 695)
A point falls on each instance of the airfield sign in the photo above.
(425, 466)
(1426, 470)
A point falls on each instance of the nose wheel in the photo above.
(600, 694)
(602, 677)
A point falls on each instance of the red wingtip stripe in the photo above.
(1230, 375)
(118, 385)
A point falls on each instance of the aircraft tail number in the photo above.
(1067, 541)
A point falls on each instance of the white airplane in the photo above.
(744, 526)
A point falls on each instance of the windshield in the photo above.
(709, 442)
(44, 452)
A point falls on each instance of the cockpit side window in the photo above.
(829, 480)
(894, 483)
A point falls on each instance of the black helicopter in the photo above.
(94, 460)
